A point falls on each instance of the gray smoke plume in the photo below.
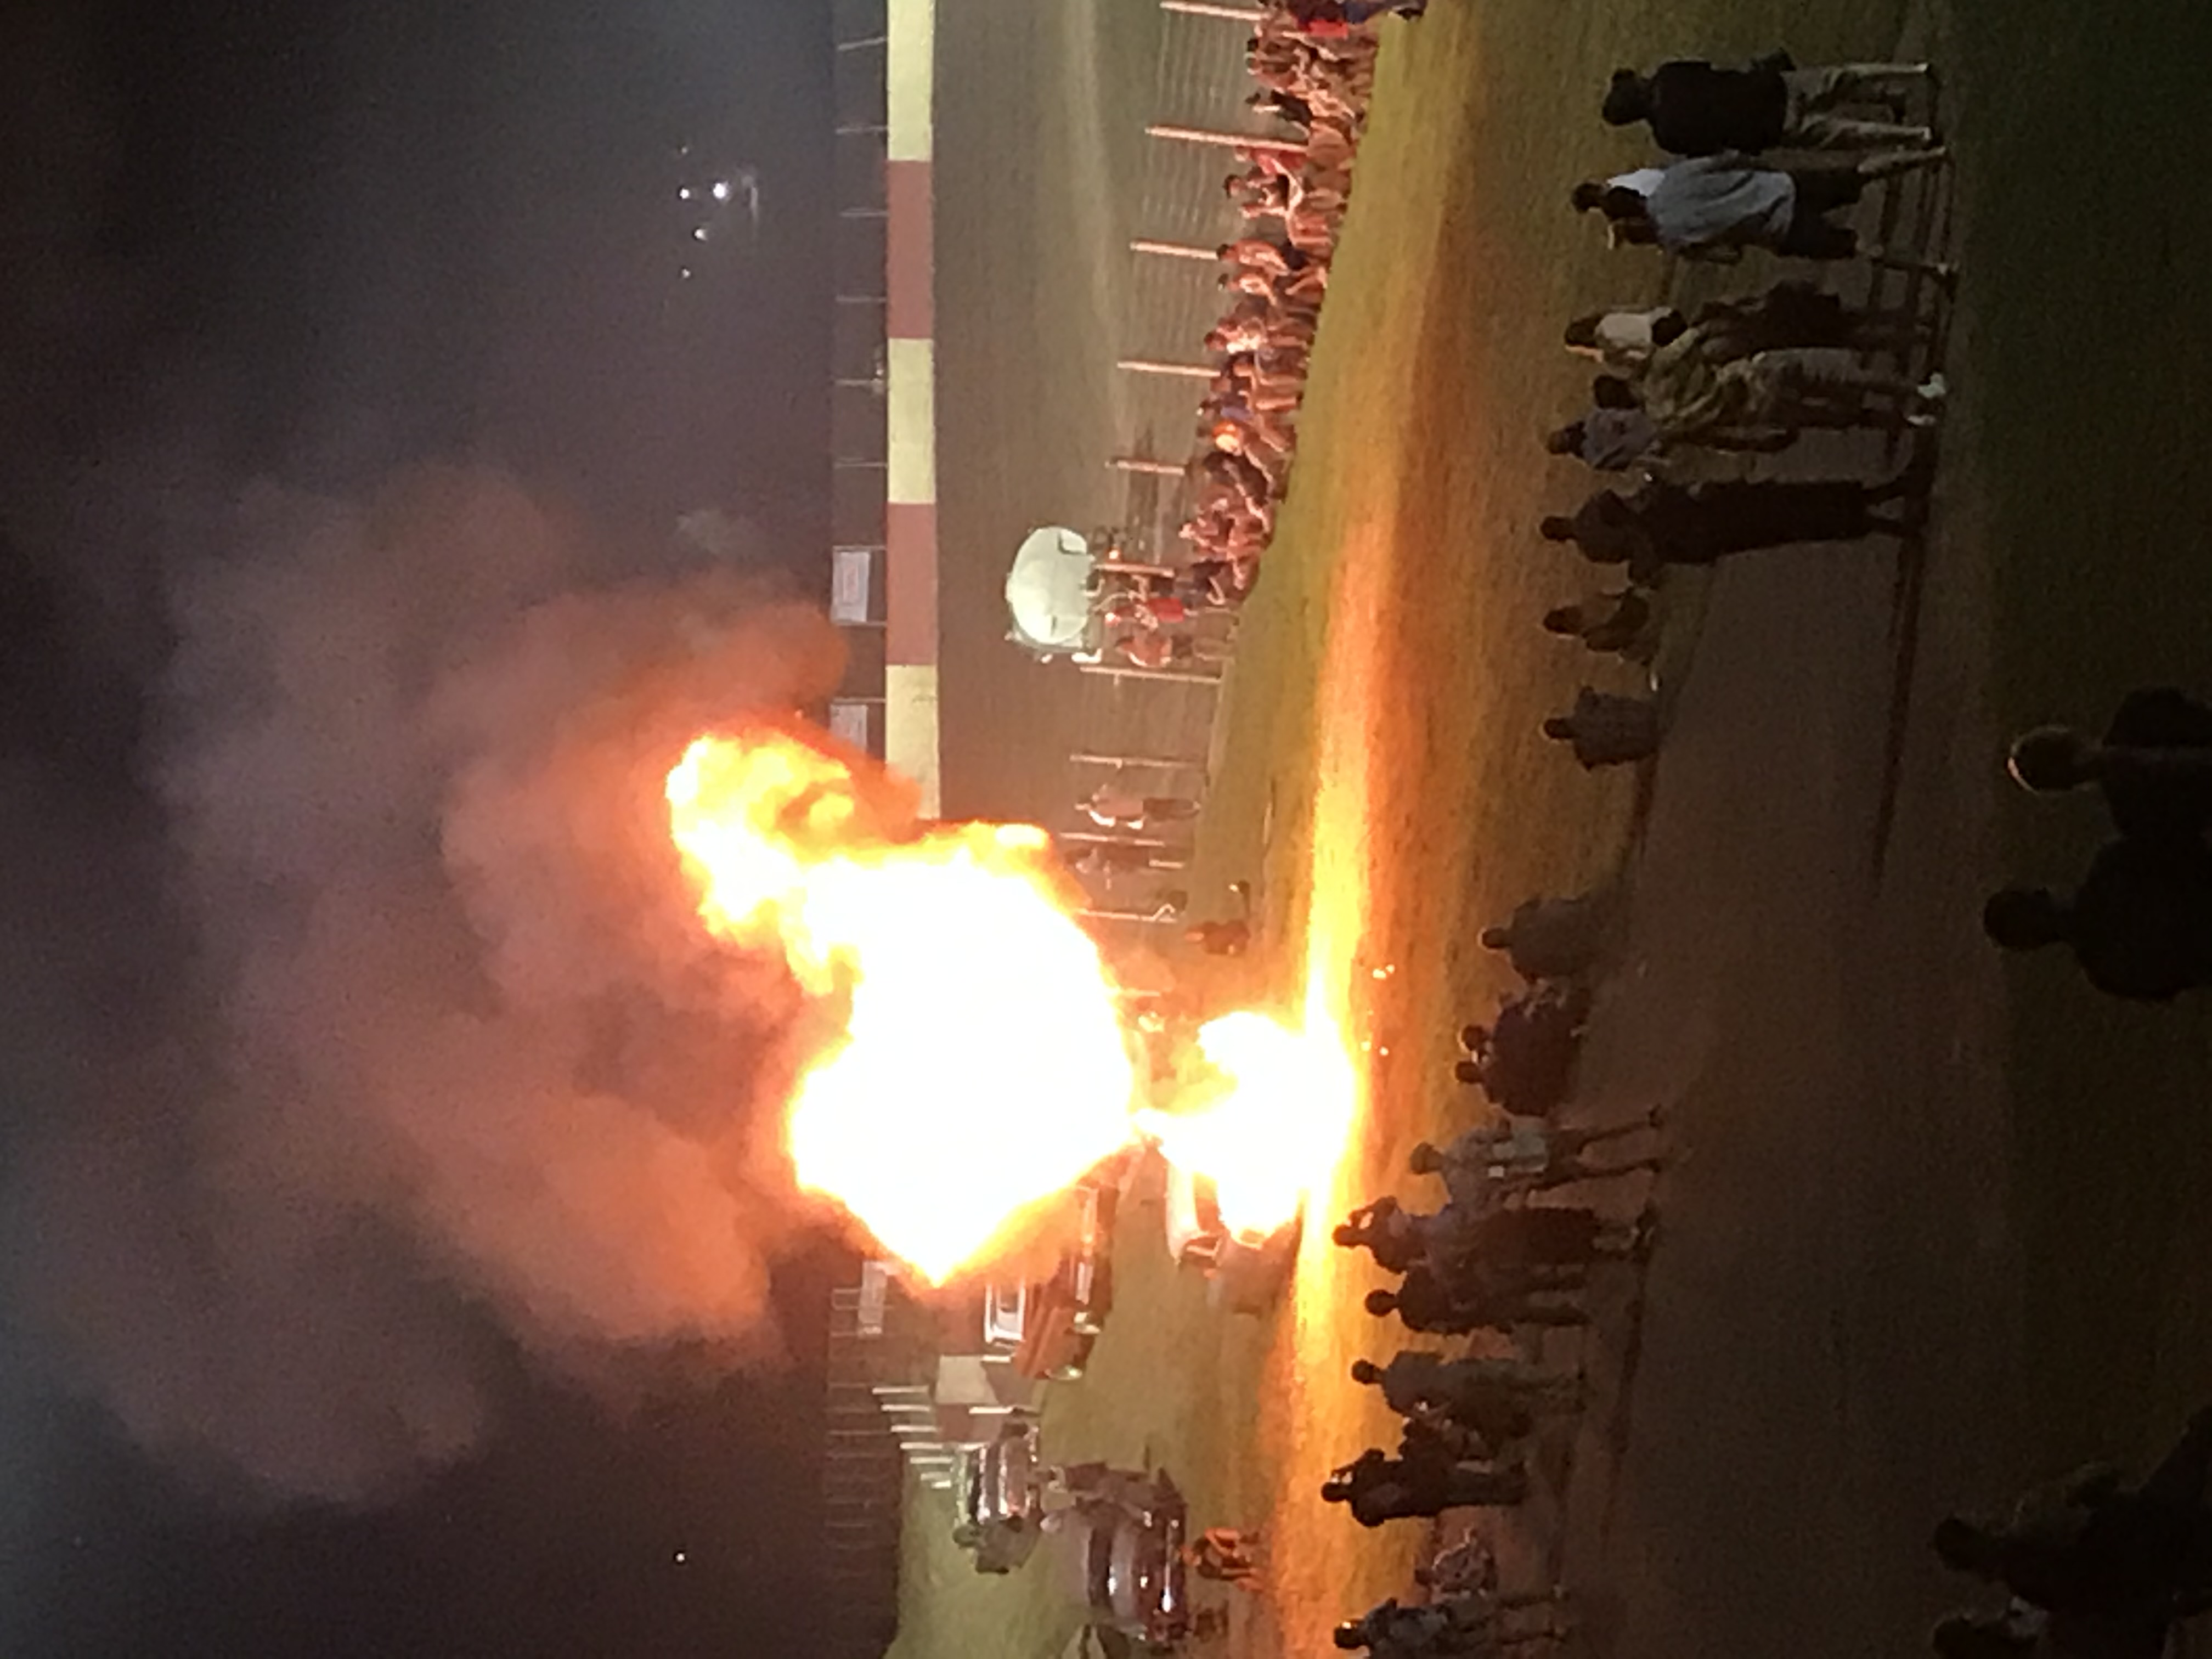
(423, 1027)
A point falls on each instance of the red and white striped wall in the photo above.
(910, 722)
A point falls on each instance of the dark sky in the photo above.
(249, 246)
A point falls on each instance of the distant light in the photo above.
(687, 273)
(684, 194)
(721, 190)
(681, 1556)
(700, 234)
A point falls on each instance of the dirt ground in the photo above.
(1936, 1227)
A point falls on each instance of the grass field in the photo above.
(2091, 402)
(1383, 778)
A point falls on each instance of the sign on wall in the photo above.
(849, 722)
(850, 569)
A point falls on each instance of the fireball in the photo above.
(1268, 1122)
(982, 1066)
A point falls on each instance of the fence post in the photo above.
(1212, 135)
(1154, 366)
(1174, 250)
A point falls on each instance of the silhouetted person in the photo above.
(1697, 108)
(1551, 938)
(1795, 316)
(1615, 624)
(2140, 925)
(1568, 1236)
(1450, 1627)
(1659, 524)
(1607, 729)
(1378, 1488)
(2152, 766)
(1482, 1165)
(1398, 1238)
(1423, 1302)
(2096, 1547)
(1524, 1060)
(1499, 1400)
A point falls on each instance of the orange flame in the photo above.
(982, 1067)
(1270, 1125)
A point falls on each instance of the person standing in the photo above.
(2140, 925)
(1551, 938)
(1697, 108)
(1704, 388)
(1623, 339)
(1413, 1382)
(2092, 1545)
(1378, 1488)
(1616, 625)
(1660, 525)
(1713, 207)
(1425, 1303)
(1792, 313)
(2152, 766)
(1526, 1155)
(1607, 729)
(1607, 440)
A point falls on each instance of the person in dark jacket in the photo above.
(2093, 1546)
(1698, 108)
(1618, 624)
(1423, 1302)
(1524, 1058)
(1793, 315)
(2140, 925)
(1379, 1488)
(2154, 765)
(1500, 1400)
(1607, 729)
(1659, 524)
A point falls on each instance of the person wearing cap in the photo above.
(1697, 108)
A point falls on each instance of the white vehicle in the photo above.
(1246, 1270)
(1005, 1316)
(997, 1489)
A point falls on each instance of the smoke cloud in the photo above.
(420, 1027)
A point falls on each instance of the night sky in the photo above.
(252, 247)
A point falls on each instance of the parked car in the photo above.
(998, 1490)
(1131, 1570)
(1008, 1476)
(1247, 1270)
(1005, 1316)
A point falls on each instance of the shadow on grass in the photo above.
(2086, 249)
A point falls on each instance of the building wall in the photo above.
(887, 382)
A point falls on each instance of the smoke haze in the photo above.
(406, 1021)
